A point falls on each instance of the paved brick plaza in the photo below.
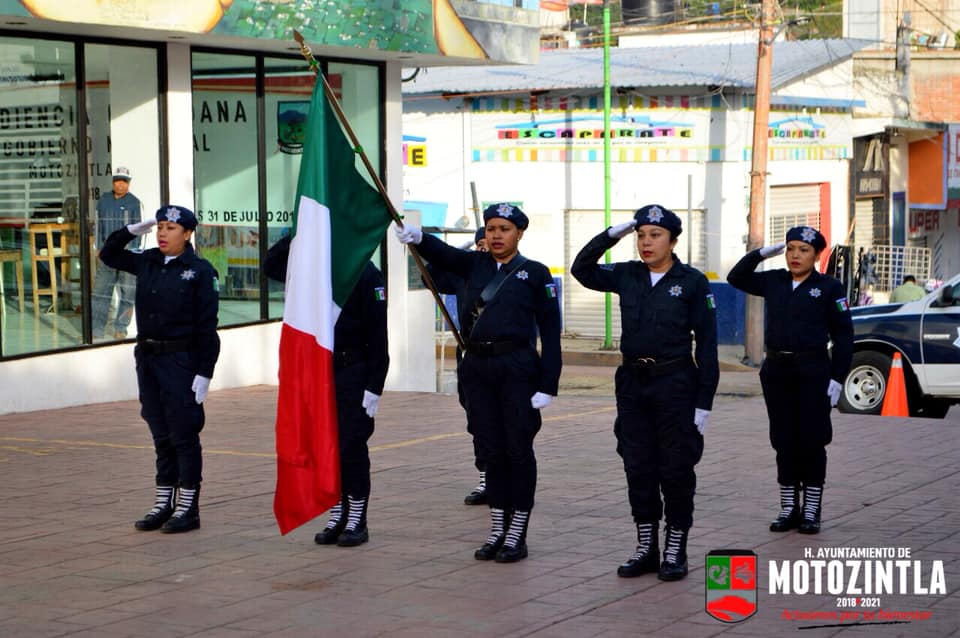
(74, 480)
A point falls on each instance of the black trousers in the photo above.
(462, 397)
(659, 444)
(168, 405)
(799, 411)
(354, 429)
(498, 390)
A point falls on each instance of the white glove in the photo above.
(700, 419)
(833, 391)
(142, 228)
(540, 400)
(200, 387)
(409, 234)
(371, 402)
(622, 230)
(772, 251)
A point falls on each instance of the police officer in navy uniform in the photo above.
(449, 284)
(505, 381)
(665, 387)
(177, 299)
(801, 380)
(360, 363)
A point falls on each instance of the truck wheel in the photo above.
(866, 384)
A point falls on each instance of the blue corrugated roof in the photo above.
(733, 65)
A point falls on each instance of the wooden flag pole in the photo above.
(397, 218)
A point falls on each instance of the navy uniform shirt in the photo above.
(800, 320)
(658, 321)
(175, 300)
(361, 327)
(112, 213)
(527, 300)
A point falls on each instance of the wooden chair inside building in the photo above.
(14, 257)
(58, 238)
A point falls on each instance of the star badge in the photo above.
(173, 215)
(815, 292)
(187, 275)
(808, 234)
(522, 275)
(654, 214)
(676, 291)
(505, 210)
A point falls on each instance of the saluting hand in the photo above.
(700, 419)
(772, 251)
(371, 402)
(540, 400)
(200, 387)
(409, 234)
(142, 228)
(833, 391)
(622, 230)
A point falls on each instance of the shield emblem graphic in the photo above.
(731, 584)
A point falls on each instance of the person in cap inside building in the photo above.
(117, 208)
(360, 364)
(909, 290)
(801, 379)
(665, 387)
(505, 381)
(177, 299)
(449, 284)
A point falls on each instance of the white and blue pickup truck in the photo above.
(926, 333)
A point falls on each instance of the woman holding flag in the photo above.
(506, 382)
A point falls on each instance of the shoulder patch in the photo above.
(711, 302)
(842, 305)
(216, 285)
(551, 291)
(380, 293)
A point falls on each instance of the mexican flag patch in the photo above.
(711, 302)
(842, 304)
(551, 291)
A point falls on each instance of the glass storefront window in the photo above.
(123, 129)
(226, 179)
(50, 151)
(39, 188)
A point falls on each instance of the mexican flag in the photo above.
(339, 221)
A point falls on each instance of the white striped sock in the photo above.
(496, 526)
(518, 529)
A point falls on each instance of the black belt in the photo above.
(490, 348)
(649, 366)
(796, 356)
(346, 358)
(157, 346)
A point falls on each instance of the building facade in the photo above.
(679, 138)
(205, 104)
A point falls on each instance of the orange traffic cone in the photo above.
(895, 398)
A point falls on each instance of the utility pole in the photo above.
(753, 339)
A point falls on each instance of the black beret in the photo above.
(809, 235)
(659, 216)
(506, 211)
(178, 215)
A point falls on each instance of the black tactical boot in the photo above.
(479, 494)
(488, 551)
(331, 533)
(187, 515)
(674, 565)
(646, 558)
(161, 512)
(812, 499)
(515, 542)
(355, 531)
(789, 517)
